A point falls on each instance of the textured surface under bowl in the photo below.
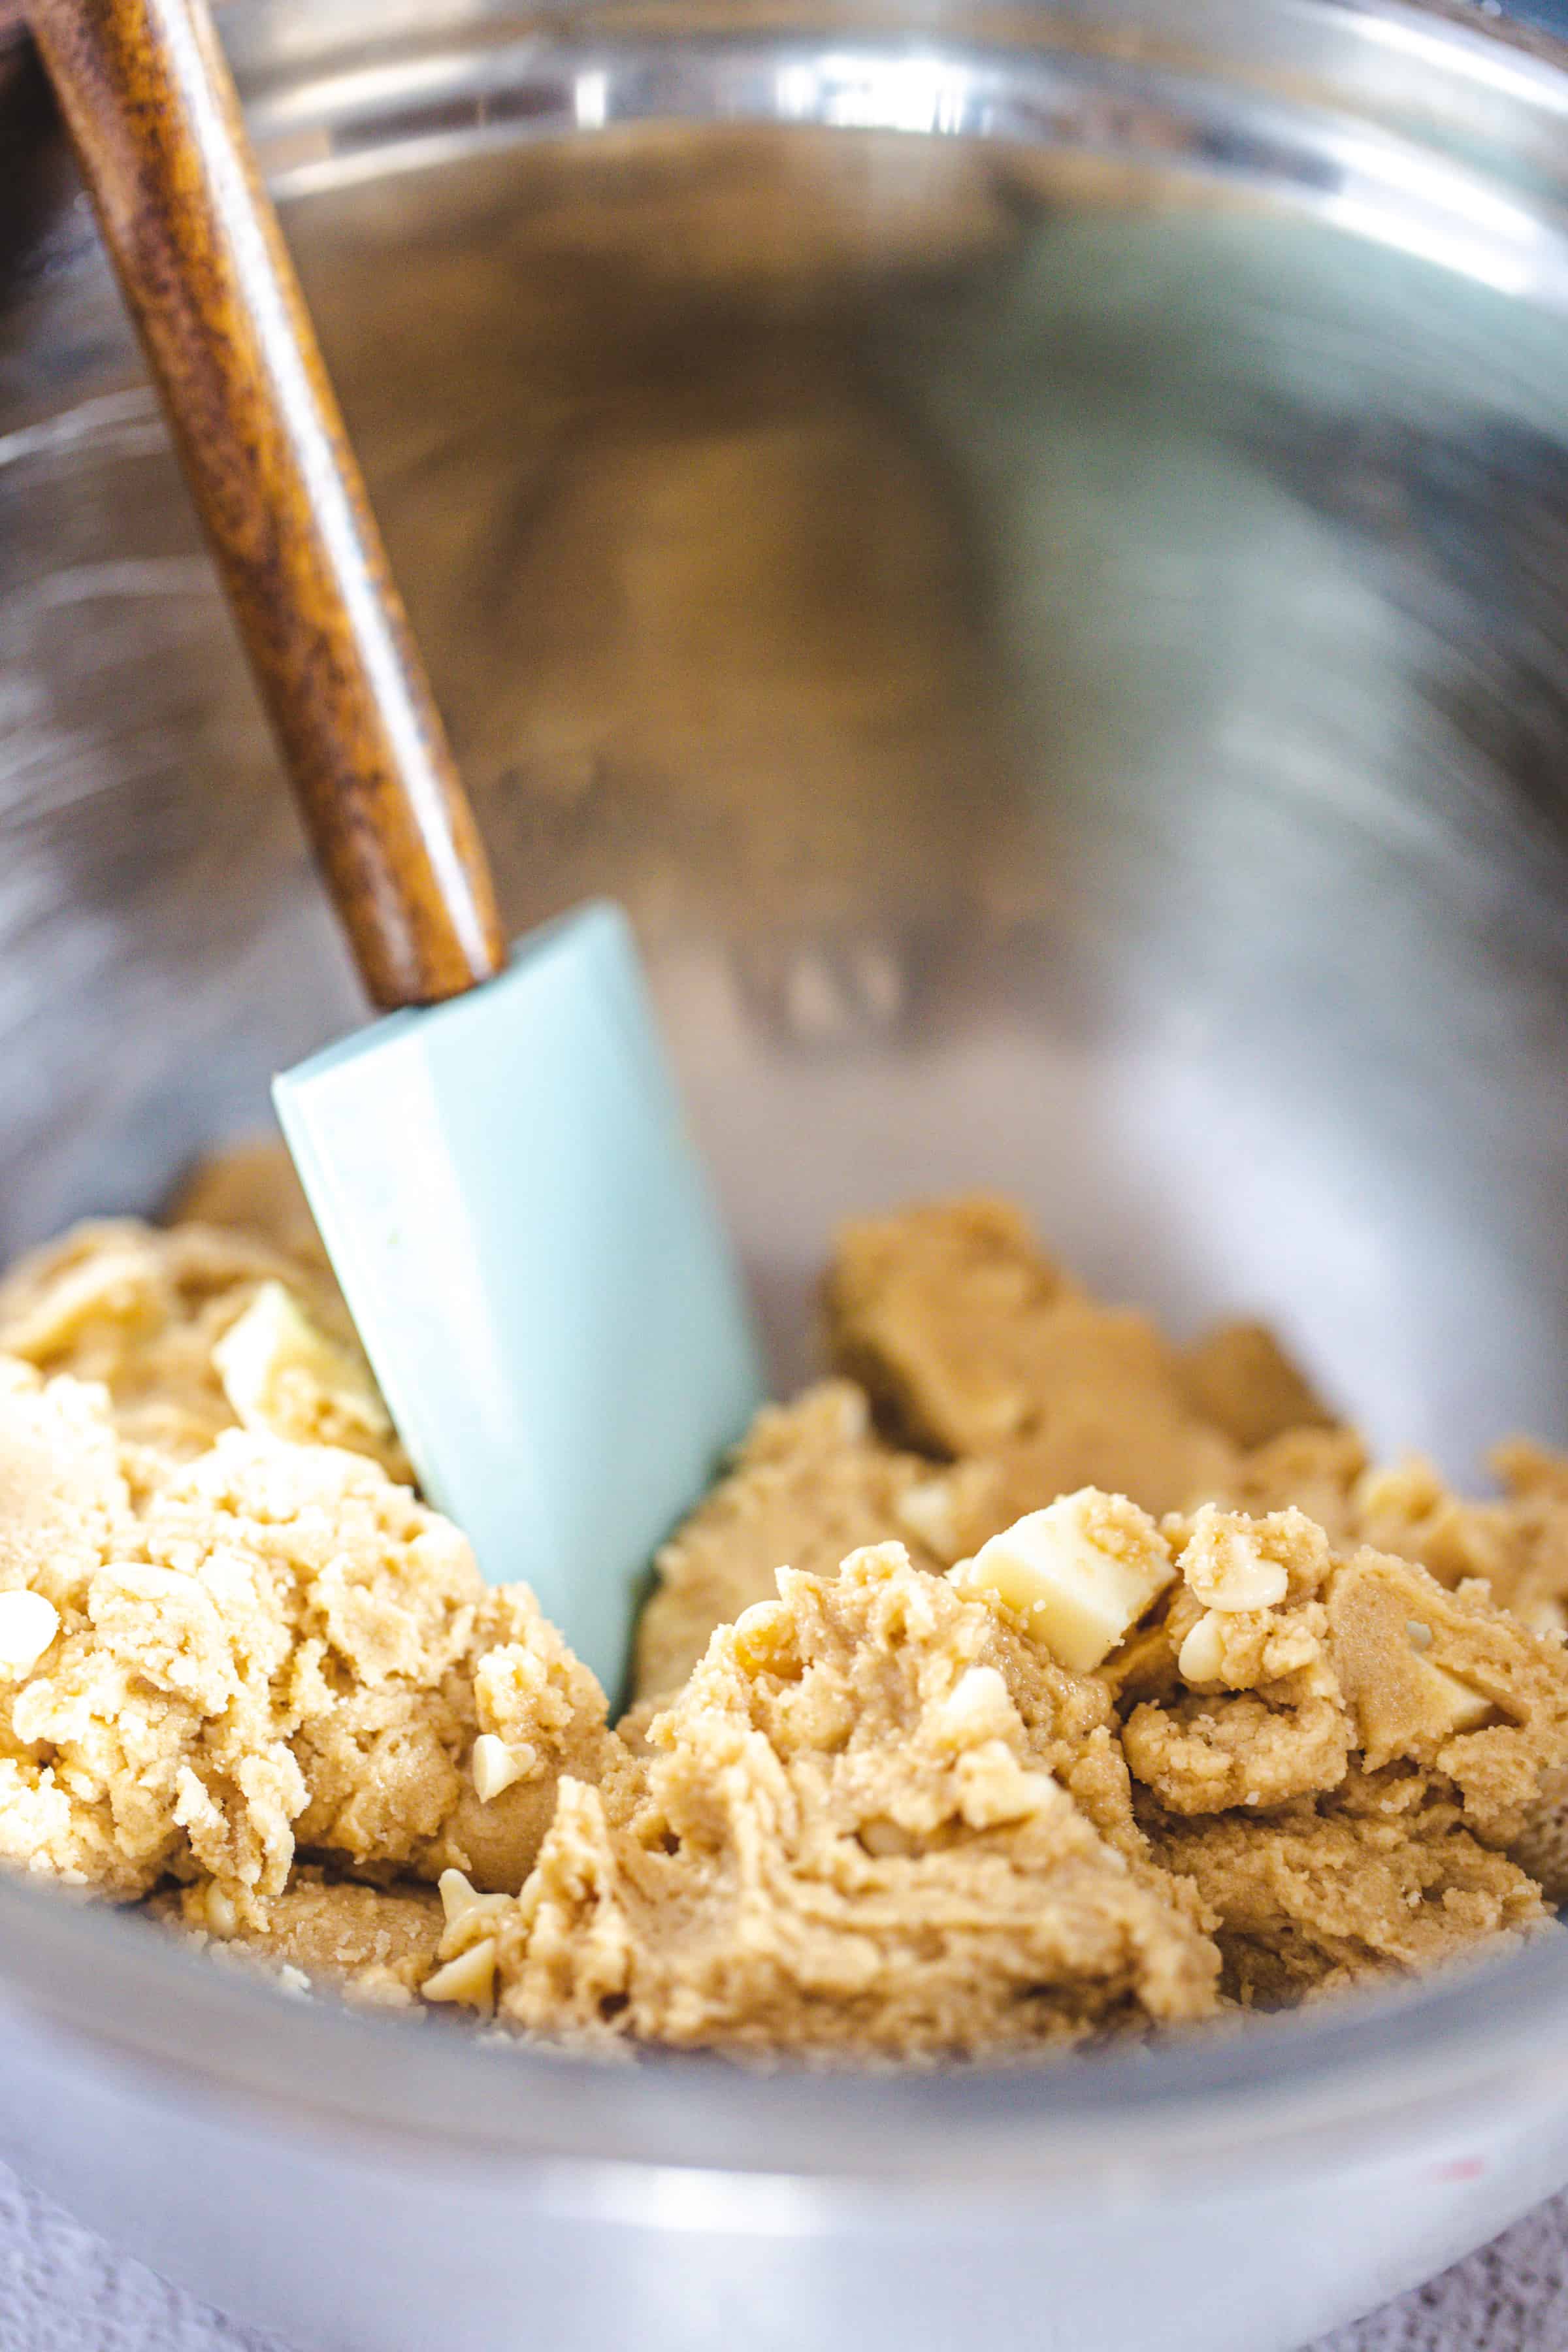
(1038, 571)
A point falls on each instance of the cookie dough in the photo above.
(272, 1648)
(881, 1820)
(377, 1945)
(1029, 1680)
(810, 1483)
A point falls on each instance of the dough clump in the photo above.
(881, 1820)
(273, 1649)
(878, 1821)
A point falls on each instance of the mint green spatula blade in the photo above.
(530, 1249)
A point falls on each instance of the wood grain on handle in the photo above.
(156, 123)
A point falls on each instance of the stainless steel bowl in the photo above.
(1029, 545)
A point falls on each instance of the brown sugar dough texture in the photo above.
(1517, 1543)
(810, 1482)
(276, 1649)
(878, 1822)
(251, 1188)
(1239, 1379)
(1337, 1771)
(375, 1944)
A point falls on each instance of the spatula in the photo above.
(499, 1167)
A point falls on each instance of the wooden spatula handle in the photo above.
(156, 123)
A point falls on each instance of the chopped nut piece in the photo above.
(470, 1979)
(28, 1623)
(1225, 1566)
(457, 1894)
(460, 1900)
(1079, 1573)
(495, 1766)
(1201, 1656)
(926, 1512)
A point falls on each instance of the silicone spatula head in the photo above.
(502, 1178)
(528, 1243)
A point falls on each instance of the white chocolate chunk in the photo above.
(28, 1623)
(219, 1914)
(459, 1897)
(1079, 1573)
(470, 1979)
(495, 1766)
(1200, 1658)
(1226, 1568)
(1463, 1708)
(277, 1370)
(977, 1708)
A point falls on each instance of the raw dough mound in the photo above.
(975, 1346)
(1239, 1378)
(879, 1822)
(1317, 1901)
(863, 1810)
(1330, 1744)
(251, 1188)
(281, 1647)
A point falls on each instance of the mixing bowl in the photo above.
(1029, 546)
